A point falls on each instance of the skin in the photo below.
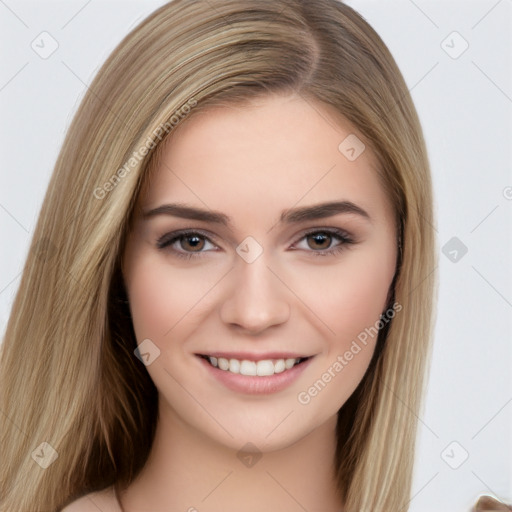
(251, 163)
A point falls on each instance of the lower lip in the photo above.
(253, 385)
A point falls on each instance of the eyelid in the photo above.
(342, 233)
(169, 237)
(345, 240)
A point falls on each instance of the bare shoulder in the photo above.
(104, 500)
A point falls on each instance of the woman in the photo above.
(176, 342)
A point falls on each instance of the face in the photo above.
(232, 263)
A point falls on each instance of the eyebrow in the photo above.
(290, 216)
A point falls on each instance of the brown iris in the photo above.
(197, 244)
(320, 238)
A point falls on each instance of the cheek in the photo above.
(363, 295)
(151, 300)
(355, 290)
(164, 298)
(350, 303)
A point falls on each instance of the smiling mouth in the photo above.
(262, 368)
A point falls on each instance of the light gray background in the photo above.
(465, 105)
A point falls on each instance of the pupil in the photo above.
(318, 239)
(196, 241)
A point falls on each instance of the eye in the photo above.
(320, 241)
(192, 244)
(184, 244)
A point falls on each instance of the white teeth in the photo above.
(248, 368)
(265, 367)
(223, 363)
(289, 363)
(280, 366)
(261, 368)
(234, 366)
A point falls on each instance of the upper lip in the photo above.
(251, 356)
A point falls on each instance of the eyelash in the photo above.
(170, 238)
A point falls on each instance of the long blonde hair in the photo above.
(68, 374)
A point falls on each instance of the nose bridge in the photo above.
(257, 299)
(256, 279)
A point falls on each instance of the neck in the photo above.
(188, 471)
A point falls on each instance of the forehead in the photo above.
(271, 154)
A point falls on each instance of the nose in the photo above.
(257, 298)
